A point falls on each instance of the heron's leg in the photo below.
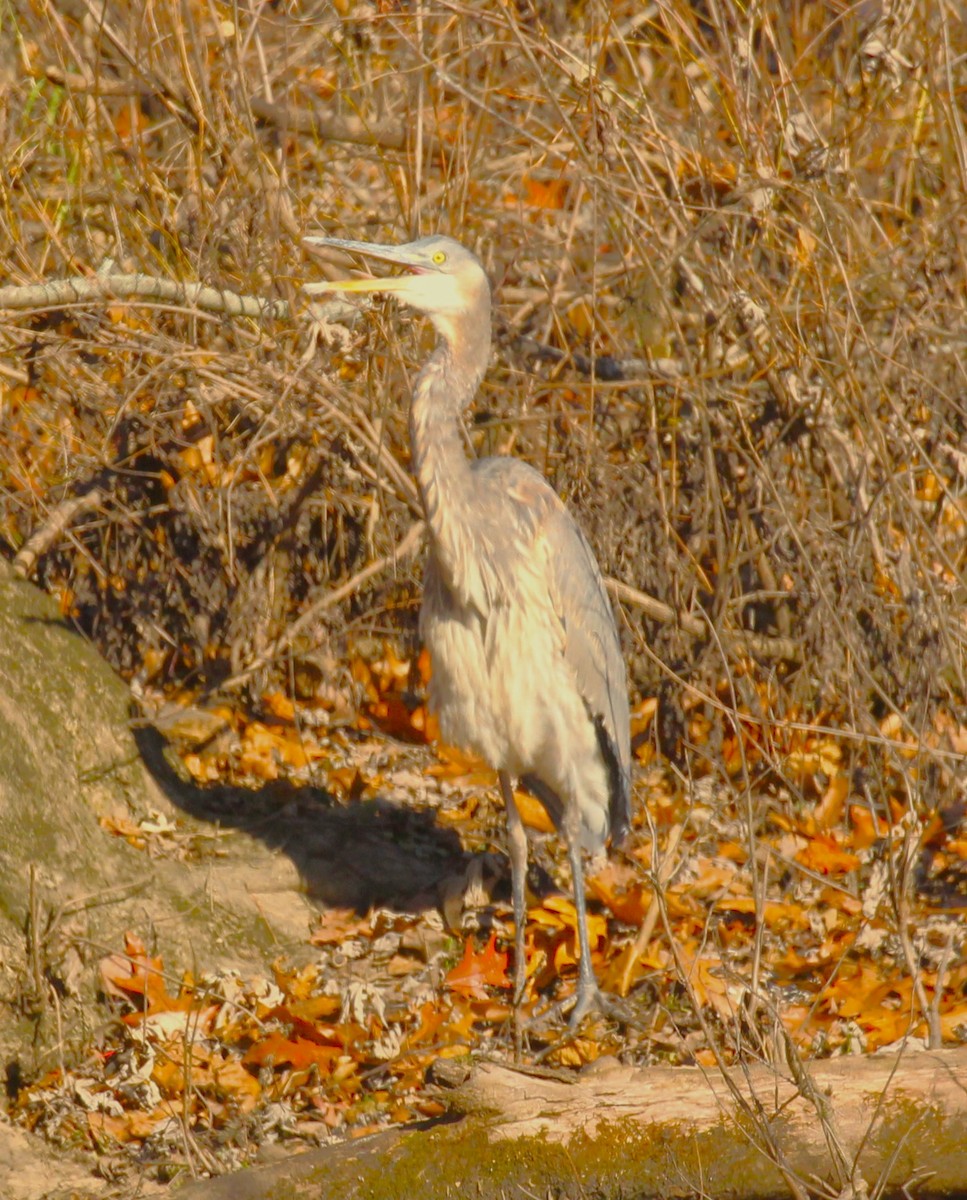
(588, 994)
(517, 850)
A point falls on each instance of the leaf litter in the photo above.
(340, 1045)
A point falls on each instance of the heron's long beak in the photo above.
(399, 256)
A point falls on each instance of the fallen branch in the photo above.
(74, 81)
(605, 367)
(79, 289)
(558, 1104)
(623, 1131)
(897, 1113)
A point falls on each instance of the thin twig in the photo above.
(666, 869)
(57, 521)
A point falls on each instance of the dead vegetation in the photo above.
(728, 255)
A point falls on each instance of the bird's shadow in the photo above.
(356, 855)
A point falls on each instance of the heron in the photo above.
(526, 665)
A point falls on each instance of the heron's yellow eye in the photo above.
(439, 257)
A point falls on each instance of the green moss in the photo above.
(451, 1162)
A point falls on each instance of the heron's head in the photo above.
(440, 278)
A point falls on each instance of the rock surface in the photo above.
(70, 768)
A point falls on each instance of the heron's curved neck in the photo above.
(445, 386)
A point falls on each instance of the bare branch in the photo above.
(58, 520)
(389, 134)
(79, 289)
(759, 644)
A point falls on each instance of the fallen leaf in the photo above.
(337, 924)
(478, 970)
(776, 914)
(131, 1126)
(123, 827)
(275, 1050)
(539, 193)
(823, 853)
(279, 705)
(619, 889)
(829, 811)
(136, 977)
(533, 813)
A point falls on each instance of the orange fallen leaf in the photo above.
(279, 705)
(129, 1127)
(533, 813)
(124, 827)
(135, 976)
(271, 745)
(843, 902)
(776, 914)
(642, 716)
(478, 970)
(957, 847)
(620, 890)
(821, 756)
(823, 854)
(867, 829)
(539, 193)
(711, 877)
(463, 812)
(337, 924)
(299, 1052)
(400, 720)
(432, 1017)
(231, 1081)
(574, 1053)
(427, 721)
(460, 764)
(297, 983)
(829, 810)
(561, 911)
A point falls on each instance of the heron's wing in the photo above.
(566, 563)
(592, 648)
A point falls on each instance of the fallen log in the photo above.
(900, 1120)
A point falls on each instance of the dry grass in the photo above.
(764, 213)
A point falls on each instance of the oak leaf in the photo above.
(478, 970)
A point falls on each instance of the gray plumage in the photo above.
(526, 664)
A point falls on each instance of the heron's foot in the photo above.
(588, 999)
(581, 1007)
(572, 1011)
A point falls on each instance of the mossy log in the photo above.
(891, 1121)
